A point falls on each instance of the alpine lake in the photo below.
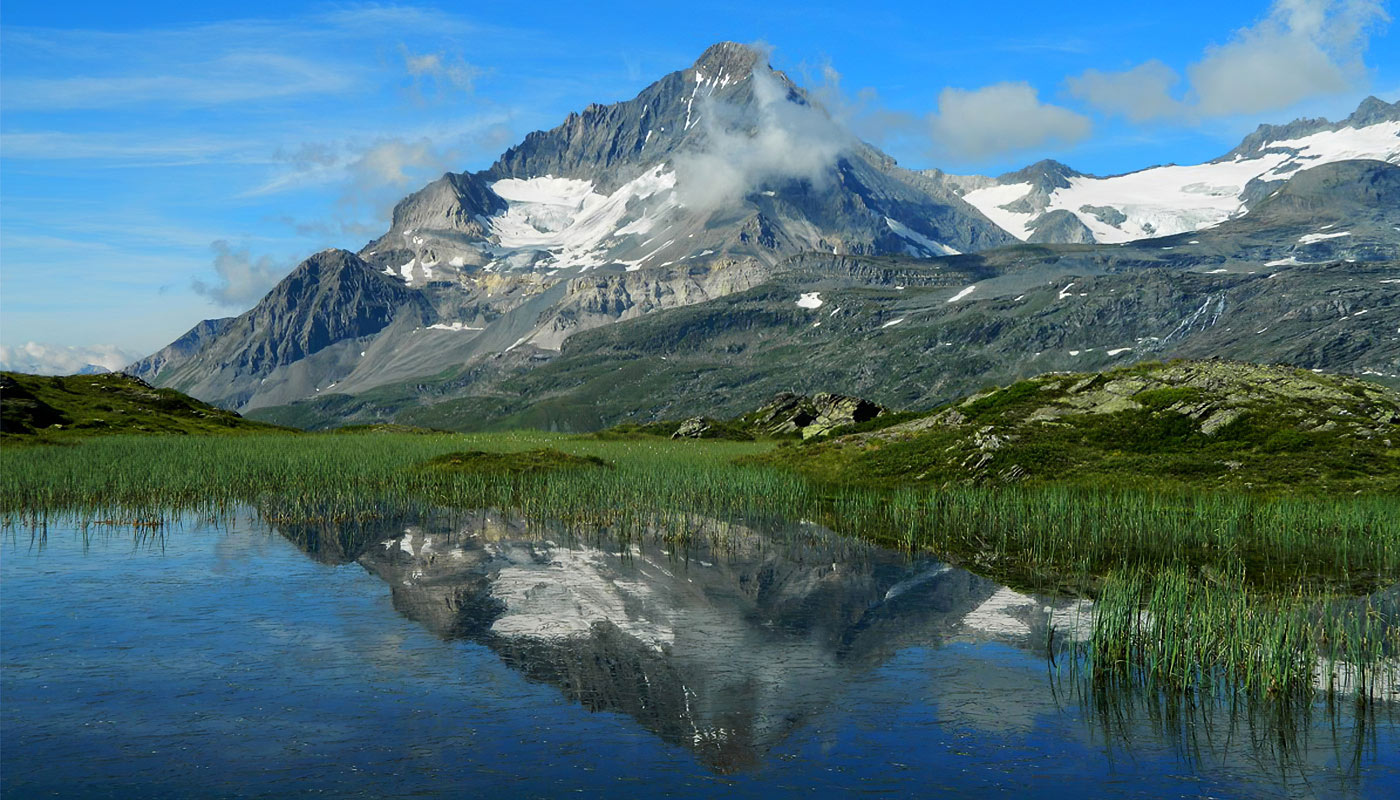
(261, 629)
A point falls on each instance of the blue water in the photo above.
(221, 661)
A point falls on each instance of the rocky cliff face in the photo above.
(808, 417)
(331, 299)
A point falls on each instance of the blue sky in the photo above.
(161, 163)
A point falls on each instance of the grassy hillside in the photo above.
(37, 408)
(1202, 424)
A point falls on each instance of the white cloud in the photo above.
(1303, 49)
(49, 359)
(863, 114)
(1141, 93)
(367, 166)
(234, 62)
(778, 139)
(999, 119)
(242, 280)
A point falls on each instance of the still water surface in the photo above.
(485, 655)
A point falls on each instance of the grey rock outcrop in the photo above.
(791, 414)
(693, 428)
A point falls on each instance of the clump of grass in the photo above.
(382, 427)
(524, 462)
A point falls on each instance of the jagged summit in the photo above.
(1371, 112)
(730, 58)
(1046, 173)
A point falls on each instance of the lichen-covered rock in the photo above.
(693, 428)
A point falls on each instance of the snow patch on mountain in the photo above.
(964, 293)
(1314, 238)
(923, 244)
(991, 201)
(570, 221)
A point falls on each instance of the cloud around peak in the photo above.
(777, 138)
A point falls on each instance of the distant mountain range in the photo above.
(1050, 202)
(688, 216)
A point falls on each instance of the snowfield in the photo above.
(1176, 199)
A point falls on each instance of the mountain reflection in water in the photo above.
(724, 644)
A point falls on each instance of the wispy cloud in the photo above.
(440, 75)
(127, 148)
(370, 171)
(237, 77)
(968, 124)
(234, 62)
(1140, 94)
(1002, 118)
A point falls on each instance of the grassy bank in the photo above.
(1027, 536)
(47, 409)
